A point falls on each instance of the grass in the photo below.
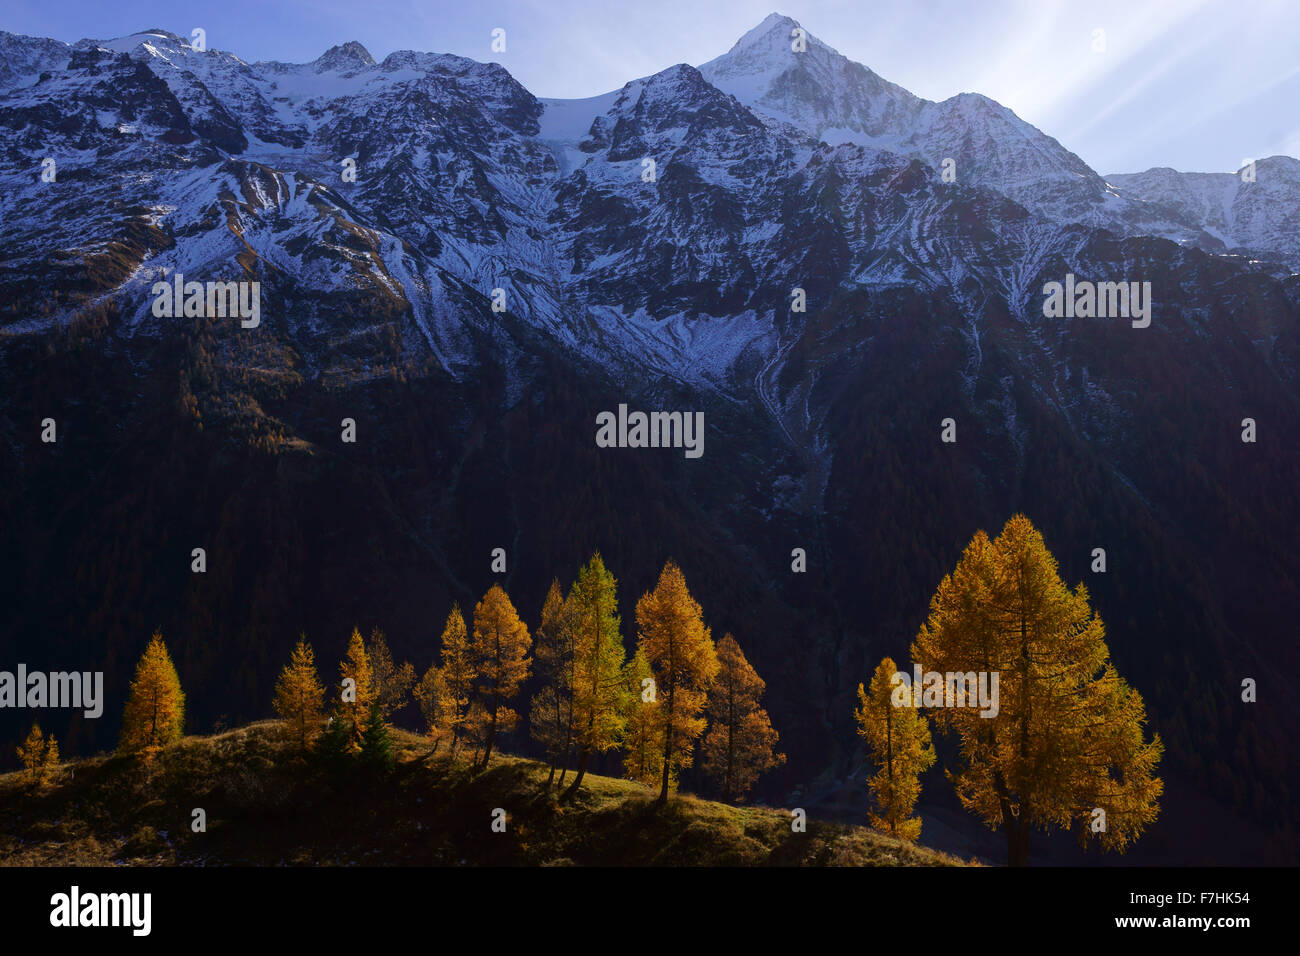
(265, 805)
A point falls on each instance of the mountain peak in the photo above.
(772, 35)
(767, 52)
(131, 42)
(343, 58)
(771, 23)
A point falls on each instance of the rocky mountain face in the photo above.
(1252, 212)
(472, 274)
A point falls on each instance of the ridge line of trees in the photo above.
(1064, 745)
(654, 708)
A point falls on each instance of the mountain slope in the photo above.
(265, 807)
(924, 301)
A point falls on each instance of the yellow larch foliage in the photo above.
(458, 672)
(299, 697)
(356, 688)
(39, 754)
(1068, 737)
(898, 738)
(599, 691)
(500, 644)
(155, 710)
(741, 742)
(683, 661)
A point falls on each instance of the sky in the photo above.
(1199, 85)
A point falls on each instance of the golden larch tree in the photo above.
(500, 644)
(741, 742)
(643, 749)
(458, 672)
(550, 718)
(683, 661)
(898, 741)
(155, 710)
(356, 689)
(436, 706)
(1067, 739)
(392, 681)
(299, 697)
(39, 754)
(599, 690)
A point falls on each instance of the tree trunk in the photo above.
(663, 790)
(492, 731)
(1018, 846)
(668, 747)
(577, 780)
(729, 780)
(1017, 830)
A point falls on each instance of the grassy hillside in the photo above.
(267, 807)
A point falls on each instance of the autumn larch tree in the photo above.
(434, 698)
(393, 682)
(898, 739)
(643, 750)
(155, 710)
(458, 672)
(741, 743)
(356, 688)
(599, 691)
(500, 645)
(39, 754)
(299, 696)
(683, 660)
(1067, 739)
(550, 718)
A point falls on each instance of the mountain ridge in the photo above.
(671, 288)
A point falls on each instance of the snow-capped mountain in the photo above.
(472, 271)
(1254, 211)
(817, 90)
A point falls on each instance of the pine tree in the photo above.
(683, 660)
(458, 671)
(434, 698)
(500, 646)
(550, 718)
(334, 746)
(1067, 738)
(599, 691)
(376, 742)
(643, 749)
(299, 696)
(356, 687)
(155, 710)
(392, 682)
(898, 738)
(741, 743)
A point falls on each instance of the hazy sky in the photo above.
(1193, 85)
